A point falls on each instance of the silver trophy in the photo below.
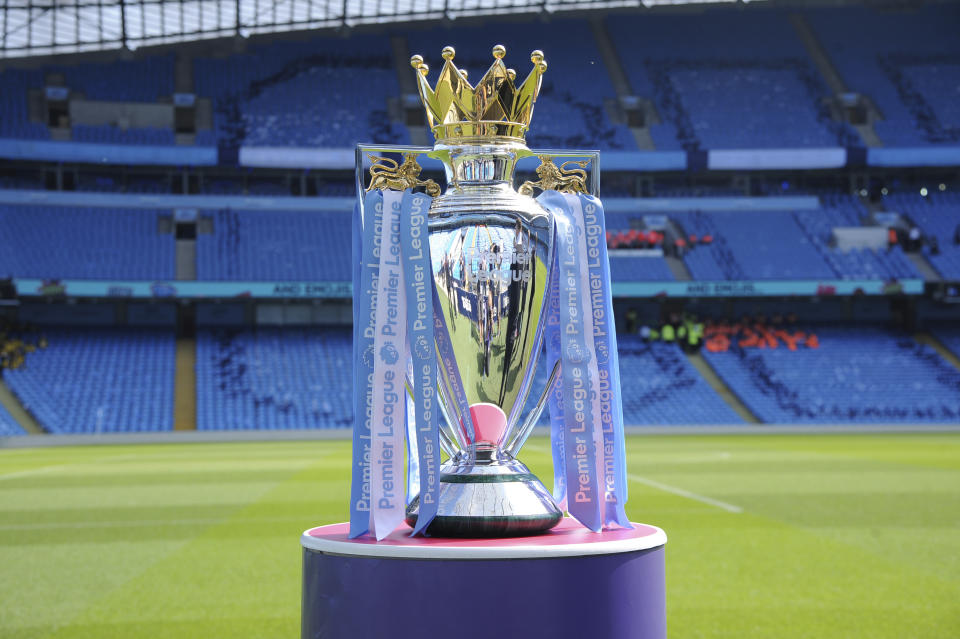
(492, 255)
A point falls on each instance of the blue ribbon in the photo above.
(608, 362)
(580, 450)
(420, 307)
(366, 274)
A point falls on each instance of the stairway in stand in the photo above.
(185, 385)
(18, 412)
(721, 388)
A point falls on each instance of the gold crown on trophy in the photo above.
(496, 107)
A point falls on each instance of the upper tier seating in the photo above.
(99, 380)
(276, 246)
(857, 374)
(722, 80)
(274, 379)
(329, 92)
(84, 243)
(570, 110)
(148, 79)
(787, 245)
(907, 62)
(8, 425)
(14, 117)
(751, 245)
(846, 210)
(937, 215)
(145, 79)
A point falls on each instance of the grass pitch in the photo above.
(770, 536)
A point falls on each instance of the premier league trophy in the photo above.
(492, 262)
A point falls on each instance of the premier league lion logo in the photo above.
(421, 348)
(367, 356)
(389, 354)
(576, 354)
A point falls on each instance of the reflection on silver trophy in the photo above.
(492, 254)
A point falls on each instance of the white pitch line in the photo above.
(730, 508)
(32, 471)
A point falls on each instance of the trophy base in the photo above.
(489, 500)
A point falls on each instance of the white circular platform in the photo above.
(568, 539)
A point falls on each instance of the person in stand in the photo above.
(914, 239)
(631, 321)
(668, 333)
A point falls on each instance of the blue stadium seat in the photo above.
(274, 379)
(858, 374)
(937, 215)
(276, 246)
(905, 61)
(99, 380)
(8, 425)
(93, 243)
(723, 80)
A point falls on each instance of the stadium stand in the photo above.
(328, 92)
(736, 252)
(867, 264)
(14, 118)
(570, 110)
(145, 80)
(85, 243)
(639, 269)
(274, 379)
(8, 425)
(937, 215)
(949, 336)
(859, 374)
(662, 387)
(99, 380)
(760, 92)
(907, 62)
(276, 245)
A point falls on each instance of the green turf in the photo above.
(837, 536)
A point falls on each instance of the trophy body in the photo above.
(491, 251)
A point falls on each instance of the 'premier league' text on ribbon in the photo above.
(416, 253)
(390, 357)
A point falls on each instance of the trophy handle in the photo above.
(524, 431)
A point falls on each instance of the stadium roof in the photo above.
(40, 27)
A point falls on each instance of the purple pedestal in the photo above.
(567, 583)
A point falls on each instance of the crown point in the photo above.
(499, 51)
(423, 69)
(416, 61)
(448, 53)
(463, 72)
(542, 67)
(511, 74)
(536, 56)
